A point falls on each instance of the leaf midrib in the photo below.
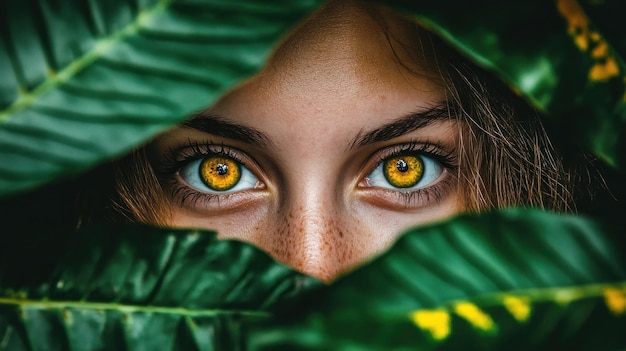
(39, 304)
(563, 295)
(102, 46)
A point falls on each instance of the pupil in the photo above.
(402, 166)
(221, 169)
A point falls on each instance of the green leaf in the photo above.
(136, 288)
(561, 268)
(567, 60)
(580, 318)
(520, 277)
(84, 81)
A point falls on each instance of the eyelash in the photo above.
(177, 158)
(428, 194)
(446, 158)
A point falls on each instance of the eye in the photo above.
(218, 174)
(411, 171)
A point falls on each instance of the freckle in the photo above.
(327, 245)
(341, 234)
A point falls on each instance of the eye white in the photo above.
(432, 171)
(191, 174)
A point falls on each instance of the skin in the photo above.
(335, 79)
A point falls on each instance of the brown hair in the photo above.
(505, 156)
(133, 193)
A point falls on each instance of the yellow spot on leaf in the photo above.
(577, 22)
(605, 66)
(601, 50)
(595, 36)
(518, 307)
(615, 300)
(582, 42)
(474, 315)
(604, 71)
(437, 322)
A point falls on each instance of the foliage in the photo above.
(519, 279)
(565, 57)
(85, 81)
(135, 287)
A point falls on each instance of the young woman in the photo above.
(361, 125)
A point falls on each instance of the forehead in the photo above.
(349, 40)
(351, 60)
(352, 32)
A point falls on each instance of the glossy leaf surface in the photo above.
(580, 318)
(520, 279)
(84, 81)
(512, 277)
(136, 288)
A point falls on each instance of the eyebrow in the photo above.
(211, 123)
(406, 124)
(208, 122)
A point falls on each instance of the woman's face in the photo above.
(325, 156)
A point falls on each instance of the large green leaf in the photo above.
(84, 81)
(520, 279)
(135, 288)
(566, 59)
(580, 318)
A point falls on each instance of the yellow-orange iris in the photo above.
(220, 173)
(403, 171)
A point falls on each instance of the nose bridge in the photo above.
(311, 237)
